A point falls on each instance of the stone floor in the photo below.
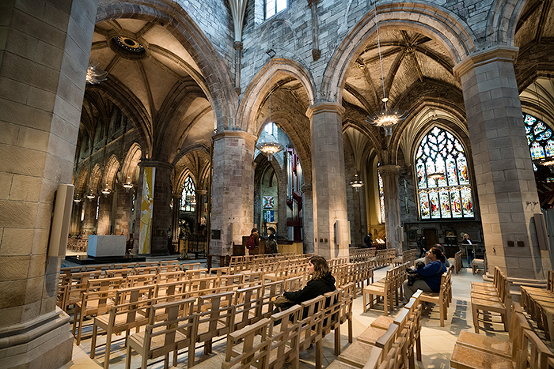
(437, 342)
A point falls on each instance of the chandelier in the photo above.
(91, 195)
(384, 118)
(270, 147)
(95, 74)
(357, 182)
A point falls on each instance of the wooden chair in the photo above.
(491, 305)
(216, 316)
(270, 292)
(147, 264)
(248, 306)
(175, 332)
(383, 288)
(170, 288)
(477, 264)
(128, 313)
(331, 316)
(442, 298)
(76, 286)
(97, 299)
(311, 327)
(347, 299)
(246, 348)
(118, 273)
(141, 280)
(146, 270)
(173, 276)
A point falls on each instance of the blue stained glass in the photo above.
(530, 120)
(550, 148)
(527, 129)
(544, 136)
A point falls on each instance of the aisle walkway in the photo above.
(437, 342)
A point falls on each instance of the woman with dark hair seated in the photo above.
(320, 283)
(429, 277)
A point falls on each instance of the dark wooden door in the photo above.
(431, 238)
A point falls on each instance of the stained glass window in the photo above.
(539, 138)
(447, 194)
(188, 199)
(381, 197)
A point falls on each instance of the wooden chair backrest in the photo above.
(270, 291)
(284, 339)
(141, 280)
(147, 264)
(253, 353)
(130, 303)
(311, 322)
(118, 273)
(165, 277)
(533, 353)
(170, 288)
(211, 310)
(146, 270)
(190, 266)
(124, 266)
(248, 306)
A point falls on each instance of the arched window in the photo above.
(539, 138)
(273, 7)
(188, 199)
(447, 194)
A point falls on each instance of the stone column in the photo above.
(503, 169)
(161, 213)
(123, 212)
(329, 189)
(89, 222)
(232, 190)
(390, 174)
(307, 218)
(175, 218)
(199, 209)
(104, 212)
(44, 53)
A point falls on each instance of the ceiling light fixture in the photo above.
(270, 147)
(95, 74)
(384, 118)
(357, 182)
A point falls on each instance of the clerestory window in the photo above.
(443, 183)
(539, 138)
(273, 7)
(188, 199)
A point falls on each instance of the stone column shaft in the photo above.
(123, 214)
(390, 174)
(104, 212)
(44, 54)
(175, 219)
(503, 168)
(307, 218)
(232, 190)
(328, 174)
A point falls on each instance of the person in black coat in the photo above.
(321, 282)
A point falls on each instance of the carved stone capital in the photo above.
(238, 45)
(313, 2)
(316, 54)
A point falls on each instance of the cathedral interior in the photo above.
(206, 119)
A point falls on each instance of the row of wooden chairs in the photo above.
(129, 307)
(77, 244)
(387, 342)
(524, 350)
(489, 298)
(539, 303)
(264, 343)
(361, 254)
(383, 258)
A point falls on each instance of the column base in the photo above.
(46, 343)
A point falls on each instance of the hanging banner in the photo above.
(146, 208)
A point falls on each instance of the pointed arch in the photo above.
(110, 171)
(256, 91)
(81, 181)
(133, 157)
(95, 177)
(434, 21)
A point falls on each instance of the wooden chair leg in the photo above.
(364, 301)
(80, 328)
(93, 342)
(108, 349)
(337, 340)
(128, 358)
(166, 361)
(318, 353)
(475, 321)
(144, 363)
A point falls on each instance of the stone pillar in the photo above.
(123, 212)
(44, 53)
(104, 212)
(89, 222)
(175, 218)
(390, 174)
(199, 209)
(329, 189)
(232, 190)
(307, 218)
(502, 163)
(161, 213)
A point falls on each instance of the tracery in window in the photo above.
(188, 198)
(273, 7)
(450, 195)
(539, 138)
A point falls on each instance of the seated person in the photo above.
(429, 276)
(438, 246)
(320, 283)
